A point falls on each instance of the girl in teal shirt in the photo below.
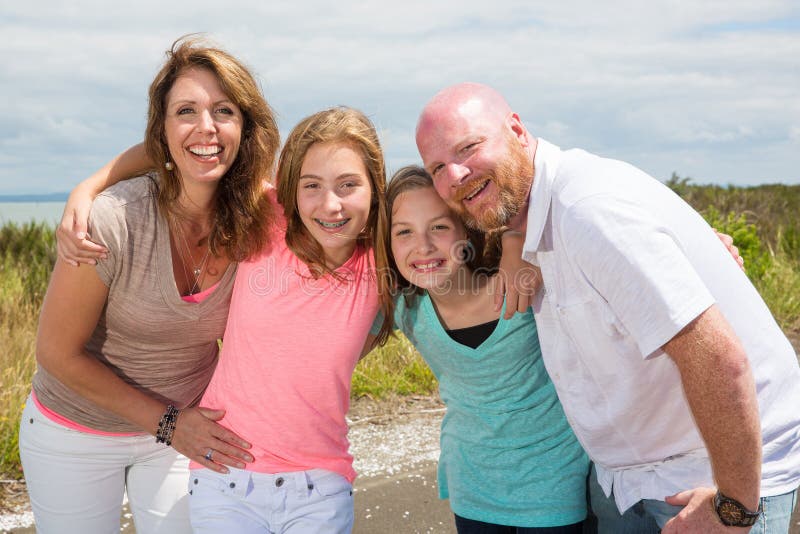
(509, 461)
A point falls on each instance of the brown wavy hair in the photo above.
(483, 255)
(353, 128)
(242, 212)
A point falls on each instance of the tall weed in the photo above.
(27, 253)
(780, 288)
(31, 248)
(765, 224)
(756, 257)
(17, 363)
(772, 208)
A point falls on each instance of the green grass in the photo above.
(18, 332)
(773, 209)
(764, 223)
(27, 253)
(30, 248)
(780, 289)
(394, 369)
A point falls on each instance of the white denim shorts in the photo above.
(246, 502)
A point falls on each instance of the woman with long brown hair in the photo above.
(126, 349)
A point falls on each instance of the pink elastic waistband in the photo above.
(63, 421)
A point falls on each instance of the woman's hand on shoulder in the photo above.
(197, 432)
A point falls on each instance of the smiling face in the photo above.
(475, 149)
(334, 198)
(203, 127)
(427, 239)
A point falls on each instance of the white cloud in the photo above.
(667, 84)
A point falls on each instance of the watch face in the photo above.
(733, 514)
(730, 513)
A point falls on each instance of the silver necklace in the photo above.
(197, 270)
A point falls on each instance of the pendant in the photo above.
(197, 272)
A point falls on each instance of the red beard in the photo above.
(511, 177)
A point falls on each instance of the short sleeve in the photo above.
(637, 264)
(107, 227)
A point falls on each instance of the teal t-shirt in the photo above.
(508, 455)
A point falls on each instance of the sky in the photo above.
(706, 89)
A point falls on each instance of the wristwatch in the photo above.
(732, 513)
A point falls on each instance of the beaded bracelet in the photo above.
(166, 426)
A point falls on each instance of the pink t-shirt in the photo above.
(290, 347)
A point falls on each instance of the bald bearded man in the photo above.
(672, 371)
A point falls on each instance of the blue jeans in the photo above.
(649, 516)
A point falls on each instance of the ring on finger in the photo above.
(208, 454)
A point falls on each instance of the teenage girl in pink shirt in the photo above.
(299, 321)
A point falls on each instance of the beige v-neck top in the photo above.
(147, 334)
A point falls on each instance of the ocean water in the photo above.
(22, 212)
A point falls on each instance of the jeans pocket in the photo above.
(331, 484)
(205, 480)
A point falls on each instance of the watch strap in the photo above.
(732, 513)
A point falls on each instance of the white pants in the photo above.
(76, 480)
(245, 502)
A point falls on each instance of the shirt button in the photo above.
(232, 485)
(279, 482)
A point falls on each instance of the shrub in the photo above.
(757, 259)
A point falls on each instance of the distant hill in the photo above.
(46, 197)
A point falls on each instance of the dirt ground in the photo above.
(13, 496)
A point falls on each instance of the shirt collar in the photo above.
(545, 165)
